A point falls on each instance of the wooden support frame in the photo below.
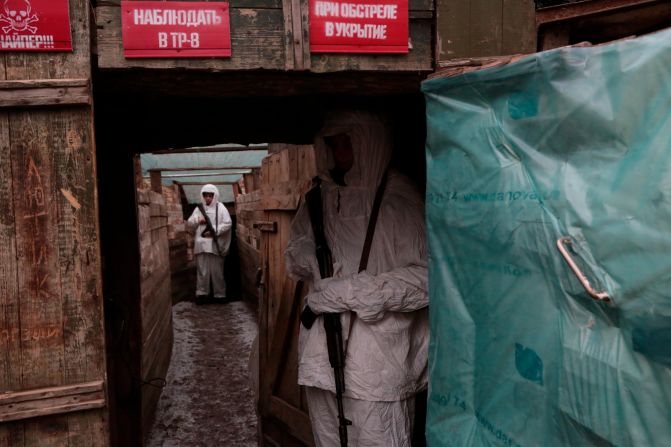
(203, 183)
(156, 183)
(599, 21)
(273, 35)
(44, 92)
(584, 9)
(19, 405)
(196, 150)
(206, 174)
(204, 168)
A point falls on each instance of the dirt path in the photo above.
(208, 399)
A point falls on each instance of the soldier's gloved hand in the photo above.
(332, 296)
(321, 284)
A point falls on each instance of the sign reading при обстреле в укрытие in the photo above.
(373, 26)
(175, 29)
(35, 25)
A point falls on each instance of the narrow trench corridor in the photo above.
(208, 399)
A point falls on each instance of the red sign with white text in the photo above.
(175, 29)
(351, 26)
(35, 25)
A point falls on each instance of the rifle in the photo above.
(210, 228)
(332, 326)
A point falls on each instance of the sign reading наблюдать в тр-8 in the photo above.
(175, 29)
(371, 26)
(35, 25)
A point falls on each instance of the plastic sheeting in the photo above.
(574, 142)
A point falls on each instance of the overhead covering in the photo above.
(182, 167)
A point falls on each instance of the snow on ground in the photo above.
(208, 399)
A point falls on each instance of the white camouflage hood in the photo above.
(371, 142)
(212, 189)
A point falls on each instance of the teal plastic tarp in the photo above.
(574, 142)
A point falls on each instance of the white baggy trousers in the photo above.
(374, 424)
(210, 268)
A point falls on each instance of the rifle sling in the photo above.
(370, 231)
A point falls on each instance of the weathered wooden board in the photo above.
(41, 93)
(155, 300)
(475, 28)
(51, 401)
(273, 35)
(10, 352)
(420, 57)
(50, 288)
(283, 178)
(257, 39)
(60, 329)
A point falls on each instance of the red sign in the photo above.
(351, 26)
(35, 25)
(175, 29)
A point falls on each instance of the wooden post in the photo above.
(155, 178)
(138, 171)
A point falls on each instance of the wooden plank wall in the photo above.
(248, 211)
(265, 216)
(182, 262)
(51, 318)
(156, 299)
(476, 28)
(272, 35)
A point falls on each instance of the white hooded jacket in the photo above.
(387, 350)
(221, 221)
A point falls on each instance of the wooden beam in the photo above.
(203, 183)
(585, 9)
(197, 150)
(44, 92)
(49, 401)
(206, 174)
(295, 420)
(204, 168)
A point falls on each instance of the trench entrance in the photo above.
(167, 117)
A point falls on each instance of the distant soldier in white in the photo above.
(212, 224)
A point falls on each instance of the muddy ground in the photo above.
(208, 399)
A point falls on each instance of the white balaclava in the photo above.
(371, 142)
(212, 189)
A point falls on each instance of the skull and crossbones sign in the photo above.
(17, 14)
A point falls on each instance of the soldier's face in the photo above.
(208, 196)
(343, 153)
